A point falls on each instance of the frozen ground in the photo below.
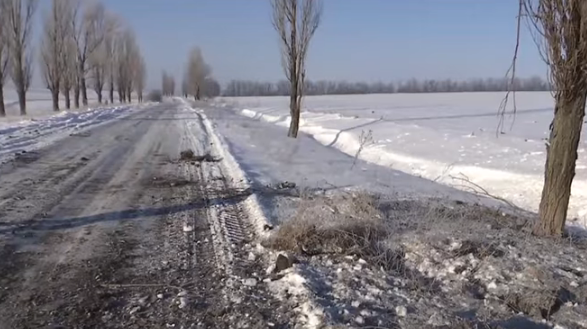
(81, 216)
(417, 256)
(449, 138)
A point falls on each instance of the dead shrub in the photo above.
(538, 303)
(349, 224)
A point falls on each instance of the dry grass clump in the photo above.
(348, 224)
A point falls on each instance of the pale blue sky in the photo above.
(365, 40)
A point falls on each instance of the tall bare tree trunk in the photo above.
(295, 124)
(66, 94)
(76, 94)
(55, 97)
(21, 90)
(294, 107)
(2, 107)
(560, 164)
(111, 92)
(561, 27)
(99, 93)
(84, 91)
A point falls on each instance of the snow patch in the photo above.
(522, 189)
(28, 135)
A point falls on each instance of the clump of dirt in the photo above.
(166, 182)
(190, 156)
(187, 155)
(26, 157)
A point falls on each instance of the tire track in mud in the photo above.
(234, 235)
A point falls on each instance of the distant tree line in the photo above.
(323, 87)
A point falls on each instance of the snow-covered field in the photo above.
(42, 126)
(449, 138)
(39, 103)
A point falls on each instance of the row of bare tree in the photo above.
(82, 43)
(323, 87)
(197, 80)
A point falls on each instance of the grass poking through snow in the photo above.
(430, 263)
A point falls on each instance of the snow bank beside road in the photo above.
(27, 135)
(460, 149)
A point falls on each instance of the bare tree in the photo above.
(90, 29)
(126, 55)
(164, 83)
(19, 26)
(140, 75)
(560, 31)
(198, 72)
(168, 84)
(114, 26)
(53, 49)
(211, 88)
(295, 21)
(98, 62)
(4, 58)
(69, 73)
(184, 87)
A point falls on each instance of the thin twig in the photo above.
(483, 191)
(363, 140)
(511, 87)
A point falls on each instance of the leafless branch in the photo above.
(365, 139)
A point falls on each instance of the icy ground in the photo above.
(448, 138)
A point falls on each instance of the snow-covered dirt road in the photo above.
(115, 229)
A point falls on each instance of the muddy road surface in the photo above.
(115, 229)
